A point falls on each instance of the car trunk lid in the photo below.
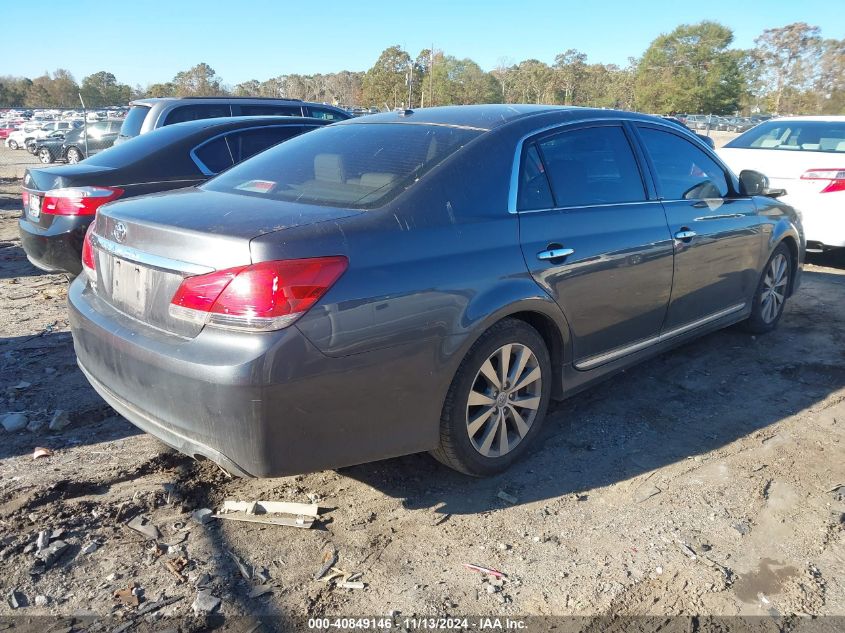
(146, 246)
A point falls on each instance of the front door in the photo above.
(717, 237)
(593, 239)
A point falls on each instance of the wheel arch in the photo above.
(539, 311)
(786, 233)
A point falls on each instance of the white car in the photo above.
(806, 157)
(18, 138)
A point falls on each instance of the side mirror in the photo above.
(753, 183)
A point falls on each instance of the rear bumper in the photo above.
(261, 405)
(822, 216)
(57, 248)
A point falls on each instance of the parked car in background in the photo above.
(89, 140)
(378, 287)
(60, 202)
(146, 115)
(805, 156)
(17, 138)
(7, 127)
(680, 124)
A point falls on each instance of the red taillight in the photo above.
(89, 260)
(836, 178)
(264, 296)
(78, 200)
(25, 199)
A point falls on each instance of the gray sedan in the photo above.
(420, 281)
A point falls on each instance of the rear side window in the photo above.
(801, 136)
(683, 171)
(197, 111)
(271, 110)
(247, 143)
(534, 191)
(134, 120)
(225, 151)
(353, 166)
(325, 114)
(591, 166)
(215, 156)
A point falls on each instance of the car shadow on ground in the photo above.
(683, 403)
(13, 262)
(30, 390)
(833, 258)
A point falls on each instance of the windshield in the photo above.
(806, 136)
(136, 148)
(356, 166)
(133, 121)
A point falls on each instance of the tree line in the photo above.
(790, 70)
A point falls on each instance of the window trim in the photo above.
(535, 136)
(207, 172)
(730, 179)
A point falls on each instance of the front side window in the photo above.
(592, 166)
(197, 111)
(801, 136)
(683, 171)
(354, 166)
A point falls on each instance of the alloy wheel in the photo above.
(503, 400)
(44, 155)
(72, 156)
(774, 287)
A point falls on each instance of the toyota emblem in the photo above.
(119, 232)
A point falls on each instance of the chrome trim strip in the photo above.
(148, 259)
(606, 357)
(590, 206)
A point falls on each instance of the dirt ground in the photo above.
(709, 480)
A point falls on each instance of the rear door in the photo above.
(595, 238)
(717, 235)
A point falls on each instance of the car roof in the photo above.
(242, 121)
(482, 117)
(829, 118)
(489, 116)
(151, 100)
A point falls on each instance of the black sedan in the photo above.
(60, 202)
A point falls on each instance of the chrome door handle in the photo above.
(555, 253)
(685, 235)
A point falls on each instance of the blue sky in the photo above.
(149, 41)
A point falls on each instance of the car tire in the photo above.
(45, 155)
(13, 144)
(771, 294)
(486, 436)
(73, 155)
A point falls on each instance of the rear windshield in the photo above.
(136, 148)
(134, 120)
(356, 166)
(796, 136)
